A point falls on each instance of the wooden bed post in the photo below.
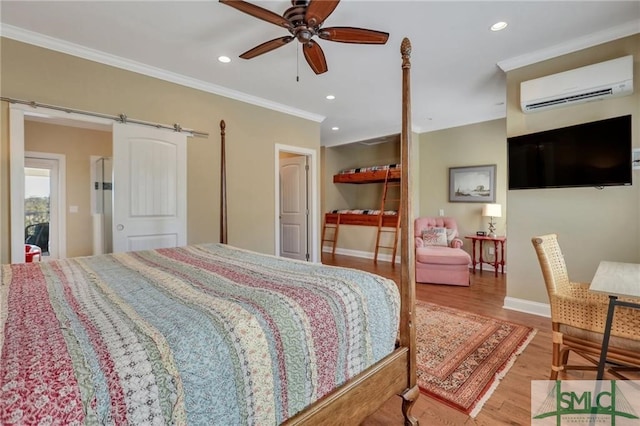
(407, 254)
(223, 186)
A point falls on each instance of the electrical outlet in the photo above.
(492, 250)
(441, 212)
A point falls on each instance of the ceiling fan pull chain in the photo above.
(297, 65)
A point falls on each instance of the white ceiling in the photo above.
(457, 63)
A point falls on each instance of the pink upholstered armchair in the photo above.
(439, 256)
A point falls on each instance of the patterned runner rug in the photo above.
(463, 356)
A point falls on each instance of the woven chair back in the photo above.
(554, 270)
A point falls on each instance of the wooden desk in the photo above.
(497, 260)
(615, 279)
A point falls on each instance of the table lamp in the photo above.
(491, 211)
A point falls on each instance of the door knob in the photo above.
(120, 227)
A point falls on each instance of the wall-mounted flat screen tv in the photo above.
(590, 154)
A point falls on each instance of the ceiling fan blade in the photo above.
(353, 35)
(258, 12)
(315, 57)
(265, 47)
(318, 11)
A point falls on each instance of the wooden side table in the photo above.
(497, 260)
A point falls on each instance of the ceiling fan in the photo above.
(304, 20)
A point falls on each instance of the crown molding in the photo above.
(51, 43)
(630, 28)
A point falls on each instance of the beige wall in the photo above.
(471, 145)
(32, 73)
(592, 225)
(77, 145)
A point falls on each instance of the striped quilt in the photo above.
(202, 335)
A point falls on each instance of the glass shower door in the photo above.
(103, 211)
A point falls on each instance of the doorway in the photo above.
(146, 148)
(43, 198)
(296, 203)
(294, 206)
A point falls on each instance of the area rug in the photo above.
(463, 356)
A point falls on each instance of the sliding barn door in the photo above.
(149, 188)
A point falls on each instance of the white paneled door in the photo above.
(149, 188)
(294, 212)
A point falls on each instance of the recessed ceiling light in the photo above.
(499, 26)
(224, 59)
(335, 128)
(331, 97)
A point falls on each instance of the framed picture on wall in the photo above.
(474, 184)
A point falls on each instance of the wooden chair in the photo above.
(578, 317)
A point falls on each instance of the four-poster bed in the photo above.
(208, 334)
(395, 374)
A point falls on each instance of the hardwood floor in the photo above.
(510, 403)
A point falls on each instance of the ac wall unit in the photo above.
(598, 81)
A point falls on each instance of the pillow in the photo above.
(451, 234)
(435, 237)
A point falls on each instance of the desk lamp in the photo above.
(491, 211)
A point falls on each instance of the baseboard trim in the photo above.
(527, 306)
(488, 267)
(361, 254)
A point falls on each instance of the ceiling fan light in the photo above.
(224, 59)
(335, 128)
(331, 97)
(498, 26)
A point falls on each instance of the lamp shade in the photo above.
(492, 210)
